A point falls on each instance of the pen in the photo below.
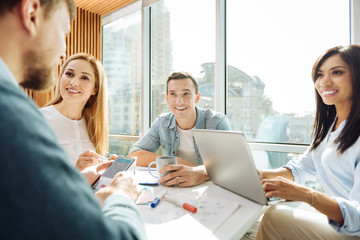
(158, 198)
(149, 183)
(181, 204)
(103, 159)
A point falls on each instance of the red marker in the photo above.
(181, 204)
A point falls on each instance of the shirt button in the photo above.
(173, 152)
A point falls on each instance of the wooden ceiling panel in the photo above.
(102, 7)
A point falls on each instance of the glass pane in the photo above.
(270, 160)
(271, 48)
(182, 39)
(122, 63)
(120, 147)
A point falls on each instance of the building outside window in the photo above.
(122, 64)
(182, 39)
(270, 53)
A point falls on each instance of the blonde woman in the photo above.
(78, 111)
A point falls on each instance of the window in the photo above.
(182, 41)
(269, 48)
(120, 147)
(269, 67)
(122, 63)
(270, 53)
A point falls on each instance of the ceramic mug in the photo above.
(162, 162)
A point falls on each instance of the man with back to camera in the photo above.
(172, 131)
(42, 196)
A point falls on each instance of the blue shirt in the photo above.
(339, 176)
(42, 196)
(163, 132)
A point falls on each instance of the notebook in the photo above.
(229, 163)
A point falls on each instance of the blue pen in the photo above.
(158, 198)
(149, 183)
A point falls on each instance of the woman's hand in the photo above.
(113, 157)
(87, 159)
(286, 189)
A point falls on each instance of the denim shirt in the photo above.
(163, 132)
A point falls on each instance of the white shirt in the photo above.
(186, 149)
(72, 135)
(339, 176)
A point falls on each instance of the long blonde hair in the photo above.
(95, 111)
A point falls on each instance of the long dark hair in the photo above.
(326, 114)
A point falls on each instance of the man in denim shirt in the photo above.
(172, 132)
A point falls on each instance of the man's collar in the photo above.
(172, 122)
(199, 119)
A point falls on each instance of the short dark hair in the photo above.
(48, 5)
(182, 75)
(326, 114)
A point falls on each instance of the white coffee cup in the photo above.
(162, 162)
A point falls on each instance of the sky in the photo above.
(277, 40)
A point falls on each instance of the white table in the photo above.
(186, 227)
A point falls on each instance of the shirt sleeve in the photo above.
(350, 209)
(129, 217)
(150, 141)
(224, 124)
(303, 168)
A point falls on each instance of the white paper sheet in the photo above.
(212, 212)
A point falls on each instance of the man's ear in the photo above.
(30, 11)
(197, 97)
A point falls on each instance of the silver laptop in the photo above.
(229, 163)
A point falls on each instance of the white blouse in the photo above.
(339, 175)
(72, 135)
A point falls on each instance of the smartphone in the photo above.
(120, 164)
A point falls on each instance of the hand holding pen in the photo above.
(103, 159)
(87, 159)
